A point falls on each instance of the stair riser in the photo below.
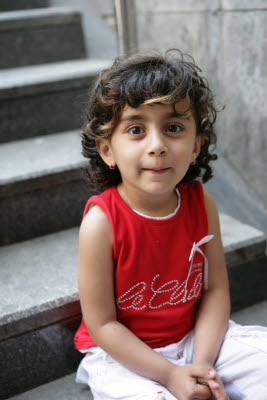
(37, 45)
(38, 357)
(42, 211)
(248, 282)
(41, 114)
(7, 5)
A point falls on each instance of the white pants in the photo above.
(241, 364)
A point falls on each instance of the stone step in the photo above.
(7, 5)
(64, 389)
(40, 311)
(234, 197)
(44, 99)
(41, 35)
(44, 190)
(68, 389)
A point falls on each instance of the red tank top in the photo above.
(156, 286)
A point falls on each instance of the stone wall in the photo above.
(228, 39)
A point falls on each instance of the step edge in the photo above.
(47, 80)
(41, 17)
(39, 316)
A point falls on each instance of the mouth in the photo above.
(160, 170)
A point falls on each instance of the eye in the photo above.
(174, 128)
(135, 130)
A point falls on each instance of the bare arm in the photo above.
(96, 288)
(214, 306)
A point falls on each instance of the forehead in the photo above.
(181, 108)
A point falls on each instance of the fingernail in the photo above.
(211, 372)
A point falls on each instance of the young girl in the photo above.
(152, 277)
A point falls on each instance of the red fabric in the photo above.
(155, 297)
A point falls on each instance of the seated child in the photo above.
(152, 277)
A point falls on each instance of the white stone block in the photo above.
(170, 6)
(242, 76)
(243, 4)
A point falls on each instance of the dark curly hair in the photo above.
(146, 79)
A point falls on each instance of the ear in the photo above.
(105, 151)
(198, 144)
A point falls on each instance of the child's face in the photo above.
(152, 147)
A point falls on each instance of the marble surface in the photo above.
(38, 17)
(38, 357)
(42, 114)
(51, 204)
(55, 76)
(45, 154)
(66, 388)
(38, 275)
(32, 45)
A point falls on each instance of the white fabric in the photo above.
(241, 364)
(195, 248)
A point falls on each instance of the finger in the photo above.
(202, 391)
(203, 372)
(218, 390)
(202, 382)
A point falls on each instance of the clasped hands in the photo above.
(191, 382)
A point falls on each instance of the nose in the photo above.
(156, 144)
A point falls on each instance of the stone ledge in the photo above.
(47, 78)
(40, 17)
(50, 262)
(47, 157)
(38, 357)
(68, 389)
(241, 242)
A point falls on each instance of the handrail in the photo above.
(126, 29)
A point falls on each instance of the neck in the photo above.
(152, 205)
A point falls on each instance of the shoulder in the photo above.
(95, 225)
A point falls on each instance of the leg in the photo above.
(242, 362)
(109, 380)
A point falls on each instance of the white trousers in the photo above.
(241, 364)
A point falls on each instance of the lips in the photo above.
(157, 170)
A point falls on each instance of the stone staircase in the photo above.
(42, 196)
(44, 76)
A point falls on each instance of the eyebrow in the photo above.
(138, 117)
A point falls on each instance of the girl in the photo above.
(152, 277)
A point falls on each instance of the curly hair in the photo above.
(146, 79)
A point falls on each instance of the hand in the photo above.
(183, 382)
(216, 386)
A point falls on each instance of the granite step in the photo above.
(41, 35)
(64, 389)
(44, 99)
(39, 302)
(44, 191)
(7, 5)
(67, 389)
(234, 197)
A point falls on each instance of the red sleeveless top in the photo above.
(156, 285)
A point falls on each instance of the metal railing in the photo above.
(126, 29)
